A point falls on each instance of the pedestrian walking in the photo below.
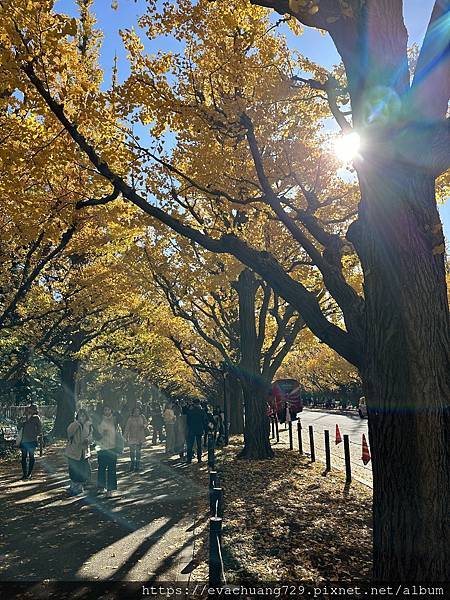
(196, 426)
(157, 422)
(169, 423)
(134, 434)
(78, 452)
(111, 445)
(180, 429)
(29, 430)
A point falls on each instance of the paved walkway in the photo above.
(147, 532)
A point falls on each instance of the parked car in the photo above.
(362, 408)
(285, 393)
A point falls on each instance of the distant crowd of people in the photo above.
(188, 423)
(180, 424)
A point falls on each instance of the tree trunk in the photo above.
(66, 404)
(234, 391)
(406, 372)
(256, 428)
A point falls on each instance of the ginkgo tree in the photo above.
(238, 315)
(243, 137)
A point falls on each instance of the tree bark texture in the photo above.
(256, 428)
(406, 372)
(66, 404)
(406, 352)
(235, 403)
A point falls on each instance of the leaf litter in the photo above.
(285, 521)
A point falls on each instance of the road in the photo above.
(349, 423)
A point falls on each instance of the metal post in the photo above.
(212, 479)
(311, 443)
(272, 425)
(327, 451)
(216, 502)
(348, 467)
(277, 433)
(291, 442)
(41, 444)
(225, 408)
(299, 434)
(215, 541)
(211, 456)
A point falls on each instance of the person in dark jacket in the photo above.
(31, 430)
(157, 422)
(196, 426)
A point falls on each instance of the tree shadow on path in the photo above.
(138, 535)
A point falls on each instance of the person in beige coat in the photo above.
(135, 433)
(77, 452)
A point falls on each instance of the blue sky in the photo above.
(312, 44)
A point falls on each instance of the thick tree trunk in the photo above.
(255, 389)
(406, 372)
(234, 391)
(66, 404)
(256, 429)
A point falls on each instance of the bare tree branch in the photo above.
(332, 90)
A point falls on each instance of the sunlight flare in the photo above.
(347, 147)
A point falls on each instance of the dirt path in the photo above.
(147, 532)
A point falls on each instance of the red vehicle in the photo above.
(285, 393)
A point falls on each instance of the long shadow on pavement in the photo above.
(136, 536)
